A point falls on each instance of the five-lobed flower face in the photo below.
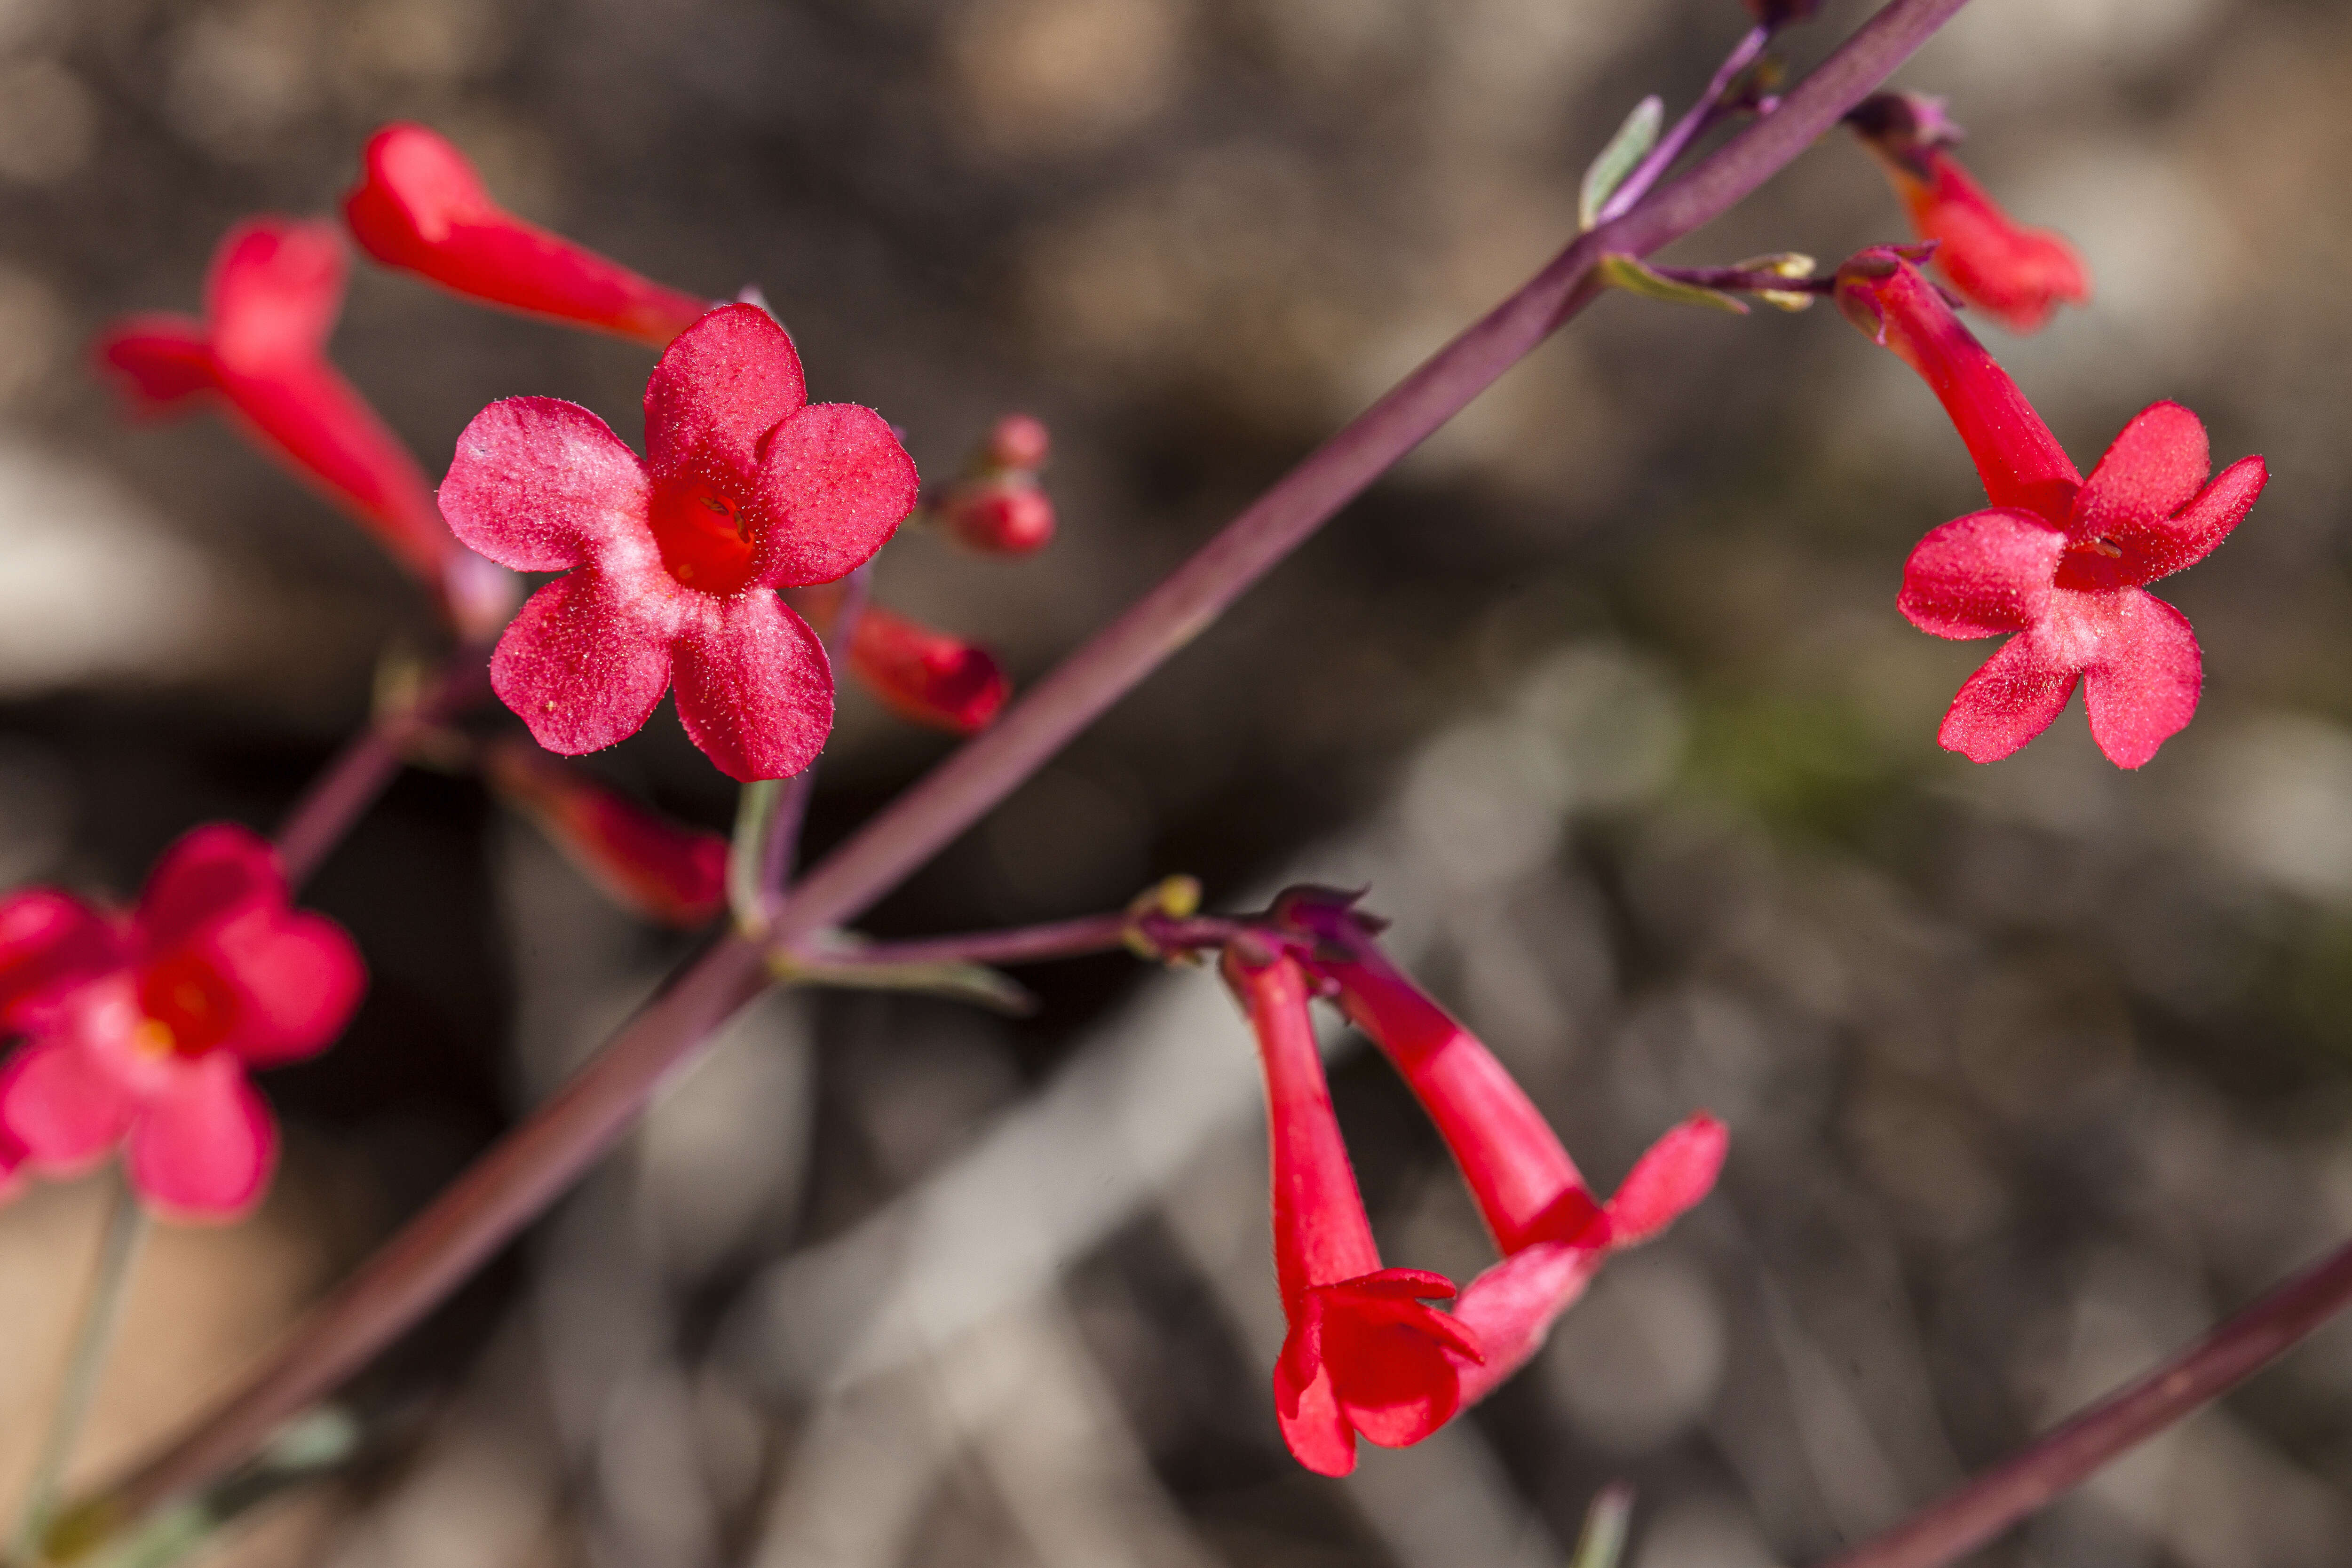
(140, 1028)
(672, 559)
(2060, 561)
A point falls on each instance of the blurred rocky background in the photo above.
(2033, 1070)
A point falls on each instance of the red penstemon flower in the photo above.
(2059, 560)
(673, 560)
(140, 1028)
(1553, 1234)
(1364, 1355)
(927, 675)
(672, 873)
(2020, 274)
(274, 290)
(421, 207)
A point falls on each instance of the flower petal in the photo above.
(296, 979)
(2008, 702)
(208, 874)
(1677, 1171)
(274, 292)
(204, 1151)
(2150, 471)
(2164, 547)
(61, 1103)
(159, 361)
(2142, 687)
(1511, 1307)
(834, 484)
(579, 668)
(927, 675)
(1314, 1429)
(1981, 574)
(721, 385)
(49, 943)
(537, 483)
(754, 688)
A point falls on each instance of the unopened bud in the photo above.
(1006, 515)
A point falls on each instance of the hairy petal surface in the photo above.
(538, 484)
(2161, 548)
(2141, 687)
(2008, 702)
(1981, 574)
(1668, 1180)
(723, 383)
(2150, 471)
(579, 666)
(834, 484)
(754, 687)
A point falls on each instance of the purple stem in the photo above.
(1037, 943)
(2029, 1479)
(520, 1176)
(1687, 130)
(338, 797)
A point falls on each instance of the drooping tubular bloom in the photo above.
(927, 675)
(270, 302)
(2020, 274)
(420, 206)
(1364, 1354)
(2060, 561)
(673, 560)
(1553, 1233)
(642, 860)
(138, 1028)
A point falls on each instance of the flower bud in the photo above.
(1005, 515)
(421, 207)
(641, 859)
(927, 675)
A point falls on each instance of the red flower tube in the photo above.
(642, 859)
(421, 207)
(1363, 1354)
(926, 676)
(673, 559)
(274, 290)
(2020, 274)
(140, 1028)
(1552, 1234)
(2061, 561)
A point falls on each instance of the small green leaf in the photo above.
(973, 983)
(1625, 272)
(1626, 151)
(747, 855)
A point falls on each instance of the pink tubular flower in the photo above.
(673, 560)
(1551, 1232)
(274, 290)
(140, 1028)
(2019, 274)
(1363, 1354)
(420, 206)
(642, 860)
(926, 676)
(2059, 560)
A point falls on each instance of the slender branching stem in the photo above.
(1040, 944)
(120, 1233)
(521, 1175)
(2029, 1479)
(341, 795)
(1688, 129)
